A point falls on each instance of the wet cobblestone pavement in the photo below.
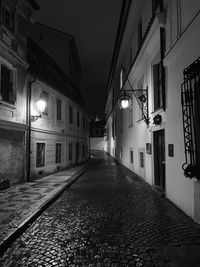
(108, 218)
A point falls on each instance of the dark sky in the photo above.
(94, 25)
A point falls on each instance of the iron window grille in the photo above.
(190, 101)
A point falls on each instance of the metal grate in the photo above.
(190, 100)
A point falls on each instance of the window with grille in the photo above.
(58, 153)
(40, 154)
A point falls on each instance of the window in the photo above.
(131, 156)
(70, 151)
(7, 18)
(7, 92)
(40, 154)
(83, 150)
(70, 114)
(58, 108)
(158, 82)
(139, 32)
(45, 96)
(78, 118)
(58, 153)
(83, 122)
(141, 159)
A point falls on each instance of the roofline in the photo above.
(57, 30)
(120, 33)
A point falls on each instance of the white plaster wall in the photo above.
(179, 188)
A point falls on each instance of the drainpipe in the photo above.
(28, 174)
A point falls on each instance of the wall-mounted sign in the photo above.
(157, 119)
(148, 148)
(170, 150)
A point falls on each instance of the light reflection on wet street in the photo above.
(108, 217)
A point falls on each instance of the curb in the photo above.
(31, 218)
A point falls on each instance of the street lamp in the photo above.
(125, 99)
(41, 104)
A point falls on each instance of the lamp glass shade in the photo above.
(124, 103)
(41, 104)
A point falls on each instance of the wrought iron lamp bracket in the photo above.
(34, 118)
(141, 96)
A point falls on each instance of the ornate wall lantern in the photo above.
(125, 98)
(41, 105)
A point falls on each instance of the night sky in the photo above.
(94, 25)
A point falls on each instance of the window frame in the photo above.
(39, 165)
(70, 114)
(70, 153)
(11, 98)
(58, 109)
(58, 153)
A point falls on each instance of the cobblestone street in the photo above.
(108, 217)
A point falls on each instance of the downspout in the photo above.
(28, 175)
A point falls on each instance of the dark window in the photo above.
(139, 33)
(158, 82)
(83, 150)
(58, 153)
(131, 156)
(45, 96)
(141, 159)
(7, 18)
(70, 114)
(78, 118)
(70, 151)
(58, 107)
(40, 154)
(7, 93)
(83, 122)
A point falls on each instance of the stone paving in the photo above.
(109, 217)
(19, 203)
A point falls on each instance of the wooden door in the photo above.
(159, 158)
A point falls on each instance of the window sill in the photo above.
(7, 105)
(157, 110)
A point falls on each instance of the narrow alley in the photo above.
(108, 217)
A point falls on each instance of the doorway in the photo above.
(159, 158)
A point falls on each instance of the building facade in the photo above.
(97, 134)
(15, 19)
(156, 63)
(60, 138)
